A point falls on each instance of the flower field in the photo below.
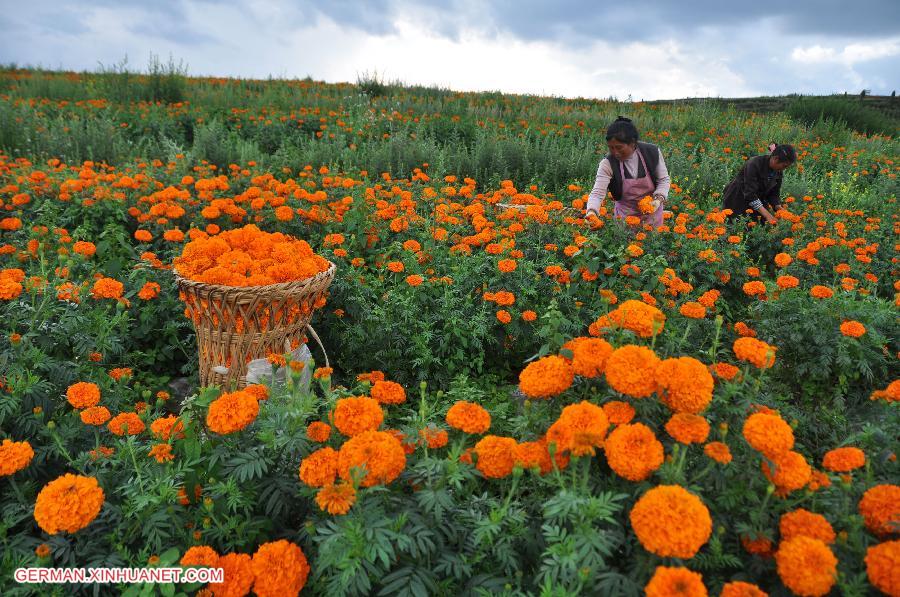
(519, 401)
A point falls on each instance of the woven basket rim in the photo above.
(264, 288)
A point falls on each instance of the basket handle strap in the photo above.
(319, 342)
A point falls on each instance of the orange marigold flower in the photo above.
(68, 504)
(468, 417)
(804, 523)
(853, 329)
(768, 433)
(631, 369)
(414, 280)
(537, 454)
(821, 292)
(684, 384)
(126, 424)
(318, 431)
(883, 567)
(336, 499)
(579, 429)
(261, 391)
(687, 428)
(792, 472)
(231, 412)
(162, 453)
(378, 452)
(546, 377)
(84, 248)
(83, 394)
(718, 451)
(95, 415)
(786, 282)
(633, 452)
(783, 260)
(496, 456)
(755, 352)
(167, 427)
(529, 315)
(238, 576)
(357, 414)
(145, 236)
(322, 372)
(806, 566)
(693, 310)
(637, 316)
(503, 316)
(589, 355)
(319, 468)
(890, 394)
(201, 556)
(739, 588)
(760, 546)
(880, 509)
(843, 460)
(388, 392)
(120, 372)
(396, 266)
(709, 298)
(280, 568)
(148, 291)
(14, 456)
(507, 265)
(673, 581)
(618, 412)
(670, 521)
(743, 329)
(107, 288)
(725, 371)
(754, 288)
(434, 438)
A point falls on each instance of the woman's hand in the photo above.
(658, 200)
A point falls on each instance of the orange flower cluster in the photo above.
(11, 283)
(357, 414)
(693, 310)
(95, 415)
(821, 292)
(880, 509)
(631, 370)
(336, 499)
(68, 504)
(201, 556)
(792, 472)
(318, 431)
(618, 412)
(670, 581)
(14, 456)
(687, 428)
(718, 452)
(804, 523)
(319, 468)
(496, 456)
(546, 377)
(248, 257)
(167, 427)
(806, 566)
(388, 392)
(126, 424)
(754, 351)
(844, 460)
(108, 288)
(633, 452)
(238, 575)
(890, 394)
(853, 329)
(768, 433)
(589, 355)
(579, 429)
(83, 394)
(378, 452)
(883, 567)
(468, 417)
(670, 521)
(280, 569)
(636, 316)
(231, 412)
(684, 384)
(754, 288)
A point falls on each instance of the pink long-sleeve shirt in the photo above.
(605, 173)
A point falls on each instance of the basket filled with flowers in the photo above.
(249, 294)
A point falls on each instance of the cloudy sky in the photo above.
(646, 49)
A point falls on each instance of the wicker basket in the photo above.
(237, 324)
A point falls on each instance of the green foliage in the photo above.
(842, 112)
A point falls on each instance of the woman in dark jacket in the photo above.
(757, 187)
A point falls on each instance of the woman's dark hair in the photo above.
(622, 130)
(784, 153)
